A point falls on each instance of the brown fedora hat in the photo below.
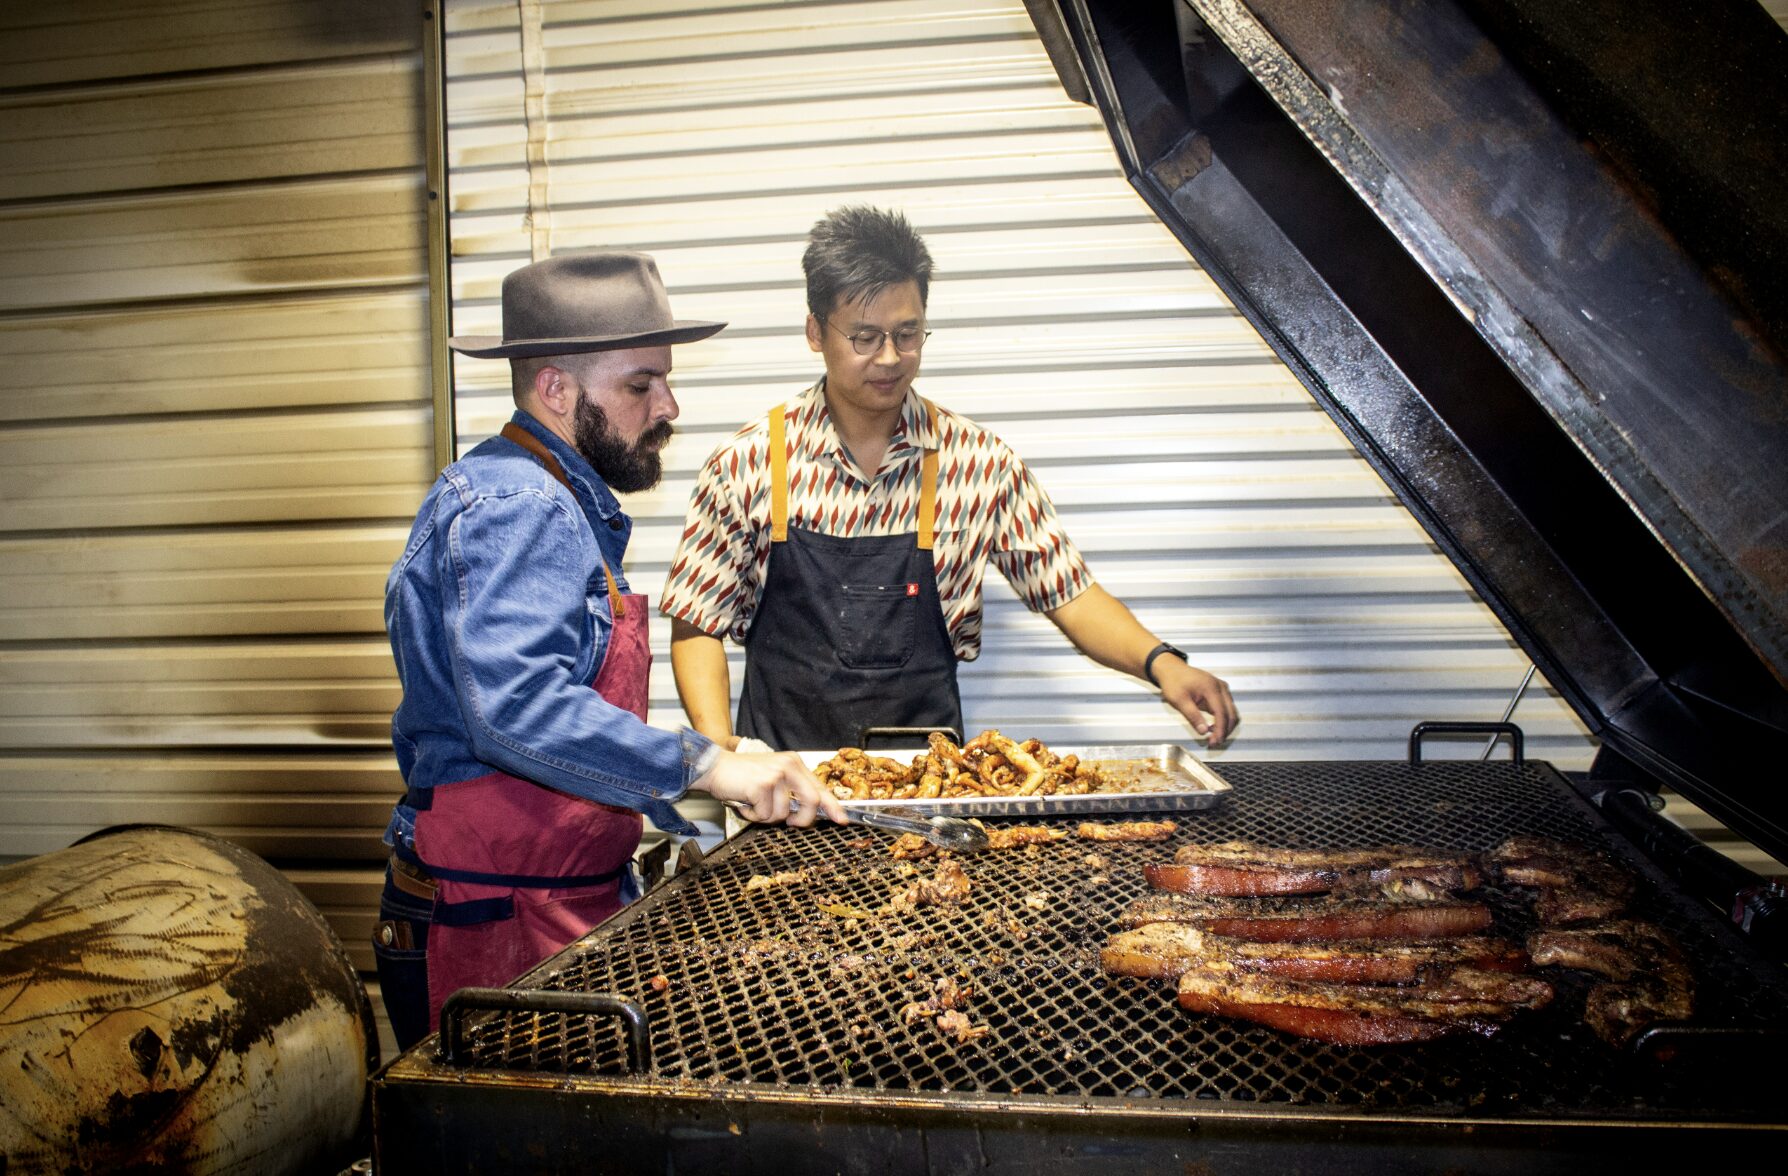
(598, 301)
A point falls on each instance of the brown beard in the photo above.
(624, 467)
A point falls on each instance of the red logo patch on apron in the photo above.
(912, 590)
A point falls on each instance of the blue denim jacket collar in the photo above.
(593, 494)
(612, 527)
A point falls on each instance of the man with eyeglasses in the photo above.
(842, 538)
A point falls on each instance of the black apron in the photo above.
(849, 633)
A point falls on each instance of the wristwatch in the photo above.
(1148, 663)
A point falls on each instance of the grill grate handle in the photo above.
(529, 1000)
(1517, 741)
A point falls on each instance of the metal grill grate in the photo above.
(764, 987)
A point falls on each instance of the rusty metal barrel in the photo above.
(170, 1002)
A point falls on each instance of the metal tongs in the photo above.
(944, 832)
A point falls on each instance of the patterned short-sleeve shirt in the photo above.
(989, 507)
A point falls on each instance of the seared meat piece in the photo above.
(1649, 977)
(1250, 853)
(1618, 950)
(1016, 835)
(945, 1003)
(1243, 868)
(1166, 950)
(853, 774)
(947, 886)
(1394, 911)
(1127, 831)
(1241, 879)
(953, 1023)
(1618, 1012)
(1158, 951)
(1560, 906)
(909, 847)
(1452, 1001)
(1576, 884)
(1376, 961)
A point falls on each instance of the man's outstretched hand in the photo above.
(1201, 696)
(769, 789)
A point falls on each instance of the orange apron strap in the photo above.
(778, 476)
(617, 608)
(928, 484)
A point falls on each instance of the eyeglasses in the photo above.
(907, 340)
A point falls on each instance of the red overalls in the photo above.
(521, 870)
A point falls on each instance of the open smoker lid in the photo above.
(1530, 256)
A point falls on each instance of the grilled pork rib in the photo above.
(1166, 950)
(1244, 868)
(1453, 1001)
(1576, 884)
(1400, 910)
(1648, 977)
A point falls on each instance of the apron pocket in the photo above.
(875, 630)
(554, 920)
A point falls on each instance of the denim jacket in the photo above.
(498, 616)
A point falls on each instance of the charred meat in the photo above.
(1456, 1000)
(1619, 1012)
(1243, 868)
(779, 878)
(1013, 836)
(1576, 884)
(946, 1004)
(1166, 950)
(1126, 831)
(947, 886)
(1157, 951)
(910, 847)
(1647, 976)
(1405, 910)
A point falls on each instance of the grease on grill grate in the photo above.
(762, 986)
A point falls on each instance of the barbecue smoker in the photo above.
(1537, 282)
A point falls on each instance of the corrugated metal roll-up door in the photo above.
(1206, 488)
(215, 422)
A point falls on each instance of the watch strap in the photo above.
(1148, 663)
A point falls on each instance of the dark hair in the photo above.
(857, 252)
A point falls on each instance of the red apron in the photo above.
(549, 865)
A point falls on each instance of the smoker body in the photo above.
(776, 1036)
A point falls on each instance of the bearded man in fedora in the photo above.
(523, 655)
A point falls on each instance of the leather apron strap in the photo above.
(514, 432)
(779, 479)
